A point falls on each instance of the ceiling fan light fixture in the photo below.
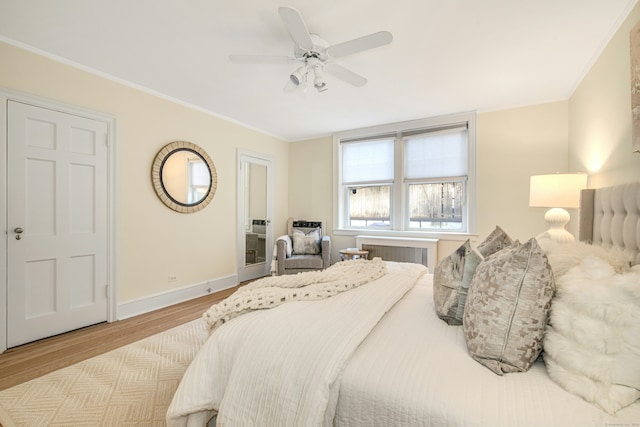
(298, 76)
(318, 80)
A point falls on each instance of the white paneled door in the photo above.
(56, 221)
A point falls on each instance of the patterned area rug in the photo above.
(132, 385)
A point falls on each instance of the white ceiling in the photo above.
(446, 56)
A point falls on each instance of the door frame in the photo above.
(253, 271)
(7, 95)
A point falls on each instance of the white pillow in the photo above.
(592, 342)
(563, 256)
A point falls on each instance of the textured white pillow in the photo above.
(592, 343)
(563, 256)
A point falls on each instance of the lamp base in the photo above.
(557, 218)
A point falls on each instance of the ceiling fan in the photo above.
(316, 55)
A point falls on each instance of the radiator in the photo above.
(396, 253)
(420, 251)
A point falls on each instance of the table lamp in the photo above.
(557, 191)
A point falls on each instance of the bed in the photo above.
(381, 354)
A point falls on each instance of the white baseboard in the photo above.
(165, 299)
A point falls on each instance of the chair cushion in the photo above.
(303, 261)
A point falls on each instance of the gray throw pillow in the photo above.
(306, 244)
(451, 280)
(508, 307)
(496, 241)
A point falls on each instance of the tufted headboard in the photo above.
(610, 216)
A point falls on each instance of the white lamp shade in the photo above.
(559, 190)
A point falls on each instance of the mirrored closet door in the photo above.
(255, 207)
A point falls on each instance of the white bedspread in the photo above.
(277, 367)
(414, 370)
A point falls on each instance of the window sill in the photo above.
(455, 236)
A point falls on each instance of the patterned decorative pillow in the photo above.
(508, 307)
(495, 242)
(451, 280)
(306, 244)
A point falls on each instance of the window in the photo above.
(367, 176)
(436, 205)
(370, 206)
(413, 176)
(199, 179)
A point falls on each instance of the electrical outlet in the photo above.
(172, 278)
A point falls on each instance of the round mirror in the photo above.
(184, 177)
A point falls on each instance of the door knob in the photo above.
(18, 232)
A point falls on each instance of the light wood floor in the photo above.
(23, 363)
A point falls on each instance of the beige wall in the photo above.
(153, 242)
(600, 115)
(512, 145)
(311, 184)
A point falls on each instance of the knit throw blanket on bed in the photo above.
(273, 291)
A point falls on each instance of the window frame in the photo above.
(399, 214)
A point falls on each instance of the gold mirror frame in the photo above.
(158, 185)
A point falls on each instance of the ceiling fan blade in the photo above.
(261, 59)
(345, 74)
(296, 27)
(350, 47)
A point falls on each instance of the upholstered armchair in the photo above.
(304, 248)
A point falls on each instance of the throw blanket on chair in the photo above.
(274, 256)
(281, 367)
(272, 291)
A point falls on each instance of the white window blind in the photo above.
(199, 173)
(436, 154)
(367, 161)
